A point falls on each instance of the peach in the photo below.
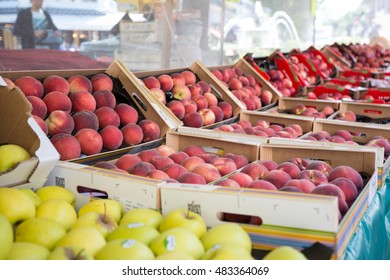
(298, 109)
(240, 160)
(242, 179)
(262, 185)
(159, 162)
(349, 173)
(178, 157)
(157, 174)
(226, 128)
(290, 168)
(79, 83)
(255, 169)
(127, 114)
(101, 81)
(205, 86)
(234, 83)
(208, 158)
(189, 105)
(132, 134)
(300, 162)
(59, 122)
(327, 110)
(147, 155)
(56, 100)
(191, 178)
(107, 116)
(218, 113)
(91, 141)
(151, 82)
(39, 107)
(225, 75)
(224, 165)
(315, 176)
(159, 94)
(193, 119)
(227, 183)
(244, 123)
(320, 166)
(304, 185)
(212, 100)
(104, 98)
(166, 82)
(269, 164)
(30, 86)
(66, 145)
(207, 171)
(207, 115)
(195, 90)
(178, 79)
(346, 116)
(226, 109)
(250, 104)
(344, 134)
(380, 142)
(244, 81)
(194, 150)
(41, 124)
(332, 190)
(105, 165)
(218, 74)
(174, 170)
(141, 169)
(85, 119)
(237, 94)
(189, 77)
(56, 83)
(277, 177)
(191, 162)
(177, 108)
(348, 187)
(112, 137)
(165, 150)
(127, 161)
(290, 189)
(201, 102)
(82, 101)
(266, 97)
(150, 129)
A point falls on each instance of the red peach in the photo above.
(127, 161)
(218, 113)
(315, 176)
(290, 168)
(91, 141)
(255, 169)
(195, 90)
(159, 162)
(226, 127)
(126, 113)
(320, 166)
(85, 119)
(159, 94)
(59, 122)
(262, 185)
(41, 124)
(132, 134)
(201, 102)
(141, 169)
(225, 75)
(189, 77)
(181, 92)
(39, 107)
(211, 99)
(242, 179)
(207, 171)
(266, 97)
(82, 101)
(205, 86)
(79, 83)
(147, 155)
(234, 83)
(224, 165)
(346, 116)
(150, 129)
(244, 123)
(151, 82)
(298, 109)
(297, 128)
(269, 164)
(328, 110)
(191, 178)
(208, 158)
(165, 150)
(193, 119)
(189, 105)
(304, 185)
(208, 116)
(30, 86)
(157, 174)
(56, 83)
(107, 116)
(174, 170)
(383, 143)
(56, 100)
(178, 79)
(177, 108)
(194, 150)
(251, 79)
(226, 109)
(217, 74)
(240, 160)
(344, 133)
(166, 82)
(179, 157)
(191, 162)
(66, 145)
(300, 162)
(101, 81)
(104, 98)
(277, 177)
(227, 183)
(105, 165)
(332, 190)
(112, 137)
(349, 173)
(348, 187)
(238, 72)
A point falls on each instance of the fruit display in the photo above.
(364, 112)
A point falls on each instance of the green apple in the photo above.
(69, 253)
(6, 237)
(125, 249)
(11, 155)
(137, 231)
(175, 256)
(58, 210)
(285, 253)
(56, 192)
(146, 216)
(226, 232)
(103, 223)
(15, 205)
(109, 207)
(88, 238)
(41, 231)
(33, 196)
(178, 239)
(184, 218)
(227, 251)
(27, 251)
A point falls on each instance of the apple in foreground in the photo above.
(6, 237)
(146, 216)
(137, 231)
(10, 155)
(15, 205)
(124, 249)
(27, 251)
(103, 223)
(69, 253)
(227, 251)
(109, 207)
(58, 210)
(56, 192)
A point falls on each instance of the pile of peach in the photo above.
(303, 110)
(346, 137)
(300, 175)
(263, 128)
(189, 99)
(281, 82)
(302, 70)
(319, 63)
(82, 116)
(245, 87)
(192, 165)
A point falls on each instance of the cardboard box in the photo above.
(339, 62)
(125, 92)
(292, 219)
(17, 126)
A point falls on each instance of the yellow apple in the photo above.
(27, 251)
(146, 216)
(88, 238)
(10, 155)
(56, 192)
(183, 218)
(33, 196)
(6, 237)
(136, 231)
(226, 232)
(125, 249)
(41, 231)
(227, 251)
(15, 205)
(285, 253)
(175, 256)
(109, 207)
(103, 223)
(178, 239)
(58, 210)
(69, 253)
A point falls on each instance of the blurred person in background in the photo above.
(35, 27)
